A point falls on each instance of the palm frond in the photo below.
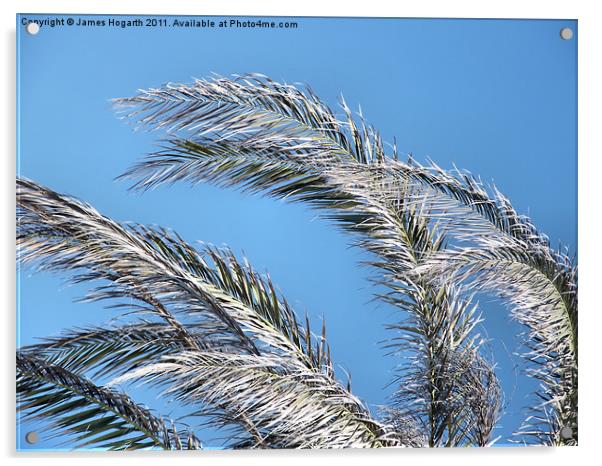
(102, 352)
(60, 233)
(92, 416)
(224, 152)
(231, 311)
(531, 284)
(244, 134)
(266, 115)
(484, 405)
(506, 255)
(444, 384)
(426, 227)
(289, 406)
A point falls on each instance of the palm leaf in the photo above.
(288, 405)
(230, 310)
(273, 138)
(92, 416)
(102, 351)
(440, 349)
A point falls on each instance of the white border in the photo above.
(590, 229)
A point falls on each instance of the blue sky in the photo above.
(496, 97)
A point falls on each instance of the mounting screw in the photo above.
(566, 33)
(32, 28)
(32, 437)
(566, 433)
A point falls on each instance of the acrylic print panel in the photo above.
(146, 314)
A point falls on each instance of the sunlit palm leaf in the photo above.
(227, 311)
(273, 138)
(290, 406)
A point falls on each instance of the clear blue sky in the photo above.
(495, 97)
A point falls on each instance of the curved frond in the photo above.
(289, 406)
(257, 144)
(267, 115)
(275, 138)
(525, 280)
(231, 312)
(157, 267)
(93, 416)
(107, 351)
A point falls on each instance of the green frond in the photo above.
(92, 416)
(103, 352)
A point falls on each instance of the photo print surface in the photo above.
(257, 232)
